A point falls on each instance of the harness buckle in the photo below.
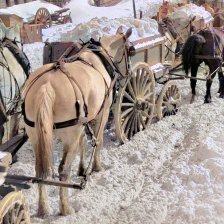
(60, 64)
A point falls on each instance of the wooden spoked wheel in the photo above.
(13, 209)
(43, 17)
(168, 101)
(67, 19)
(135, 103)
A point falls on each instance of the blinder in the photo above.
(131, 50)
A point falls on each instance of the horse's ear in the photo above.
(120, 30)
(193, 19)
(128, 33)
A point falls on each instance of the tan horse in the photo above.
(52, 96)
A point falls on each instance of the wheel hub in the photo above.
(171, 104)
(141, 105)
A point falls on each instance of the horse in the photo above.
(176, 30)
(14, 70)
(206, 46)
(65, 97)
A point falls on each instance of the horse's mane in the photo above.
(170, 26)
(219, 33)
(188, 50)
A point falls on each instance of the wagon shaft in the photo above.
(60, 11)
(14, 144)
(24, 181)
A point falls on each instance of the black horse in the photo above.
(206, 46)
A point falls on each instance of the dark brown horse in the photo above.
(206, 46)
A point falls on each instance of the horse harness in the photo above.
(110, 66)
(22, 59)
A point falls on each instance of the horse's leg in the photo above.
(43, 206)
(99, 129)
(2, 132)
(82, 146)
(14, 125)
(64, 174)
(194, 71)
(221, 84)
(208, 97)
(69, 152)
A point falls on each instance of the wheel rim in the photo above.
(135, 103)
(43, 17)
(13, 209)
(169, 100)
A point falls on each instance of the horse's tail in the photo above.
(189, 50)
(44, 130)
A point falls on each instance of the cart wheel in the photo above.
(168, 101)
(13, 209)
(135, 103)
(43, 16)
(67, 19)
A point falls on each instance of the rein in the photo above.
(17, 98)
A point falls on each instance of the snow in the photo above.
(191, 10)
(170, 173)
(82, 11)
(96, 28)
(149, 43)
(28, 10)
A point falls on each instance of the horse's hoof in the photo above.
(192, 99)
(97, 168)
(42, 213)
(66, 211)
(207, 101)
(81, 172)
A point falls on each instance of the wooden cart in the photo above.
(150, 88)
(46, 19)
(13, 206)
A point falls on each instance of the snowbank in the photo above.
(82, 11)
(189, 11)
(96, 28)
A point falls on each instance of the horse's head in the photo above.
(182, 24)
(119, 48)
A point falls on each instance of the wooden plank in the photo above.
(31, 33)
(5, 159)
(3, 4)
(146, 39)
(106, 3)
(13, 145)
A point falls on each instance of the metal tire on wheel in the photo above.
(168, 101)
(135, 103)
(43, 16)
(13, 209)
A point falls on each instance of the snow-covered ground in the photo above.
(170, 173)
